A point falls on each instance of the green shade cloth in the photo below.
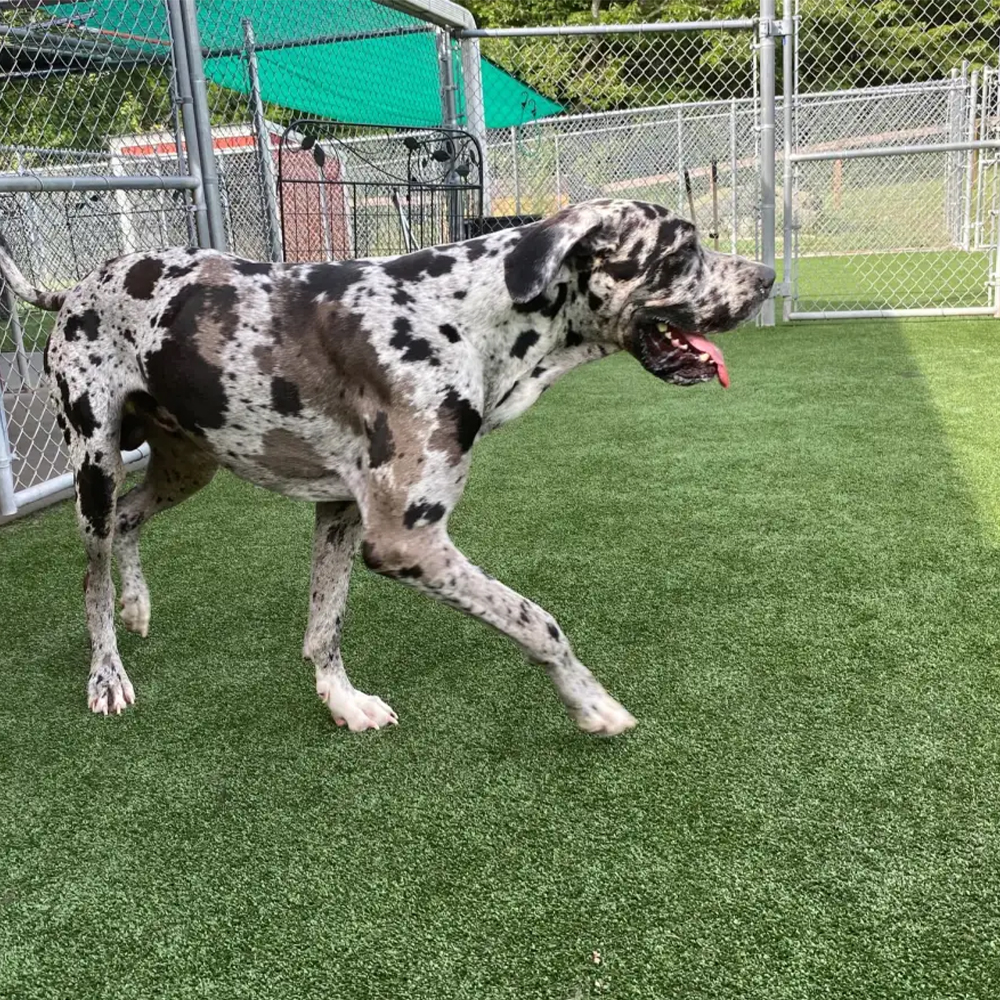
(387, 80)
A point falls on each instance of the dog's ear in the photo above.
(533, 263)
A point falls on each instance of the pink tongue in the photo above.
(707, 347)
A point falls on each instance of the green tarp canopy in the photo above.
(370, 64)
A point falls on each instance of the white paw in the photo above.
(109, 690)
(135, 613)
(603, 716)
(355, 709)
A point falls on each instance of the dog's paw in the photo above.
(603, 716)
(109, 690)
(135, 613)
(355, 709)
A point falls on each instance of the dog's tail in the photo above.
(22, 287)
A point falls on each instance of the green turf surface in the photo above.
(794, 585)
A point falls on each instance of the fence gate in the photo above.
(892, 192)
(361, 191)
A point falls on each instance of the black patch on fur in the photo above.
(668, 233)
(459, 294)
(94, 359)
(429, 512)
(332, 280)
(415, 266)
(142, 276)
(573, 337)
(87, 323)
(468, 419)
(539, 372)
(550, 309)
(506, 395)
(450, 332)
(524, 263)
(537, 304)
(95, 490)
(622, 270)
(133, 431)
(666, 268)
(475, 248)
(594, 301)
(193, 386)
(583, 280)
(409, 573)
(380, 445)
(553, 631)
(285, 397)
(251, 267)
(524, 343)
(402, 297)
(195, 304)
(80, 414)
(180, 270)
(412, 348)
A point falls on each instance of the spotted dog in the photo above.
(362, 386)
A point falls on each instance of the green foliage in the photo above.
(81, 109)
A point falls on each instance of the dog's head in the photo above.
(649, 285)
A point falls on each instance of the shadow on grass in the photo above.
(787, 583)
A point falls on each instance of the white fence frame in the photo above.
(972, 217)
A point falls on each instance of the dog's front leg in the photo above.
(335, 541)
(427, 559)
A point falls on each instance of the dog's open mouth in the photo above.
(677, 356)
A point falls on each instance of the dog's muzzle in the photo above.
(676, 355)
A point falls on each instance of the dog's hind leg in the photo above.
(92, 420)
(177, 469)
(335, 541)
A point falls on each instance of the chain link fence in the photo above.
(670, 116)
(895, 187)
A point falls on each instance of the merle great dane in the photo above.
(362, 386)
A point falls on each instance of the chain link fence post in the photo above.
(182, 89)
(265, 155)
(203, 124)
(767, 159)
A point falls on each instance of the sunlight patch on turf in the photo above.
(960, 363)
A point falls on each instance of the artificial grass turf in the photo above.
(792, 584)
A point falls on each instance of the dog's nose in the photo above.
(765, 276)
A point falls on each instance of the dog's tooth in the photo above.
(662, 327)
(704, 357)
